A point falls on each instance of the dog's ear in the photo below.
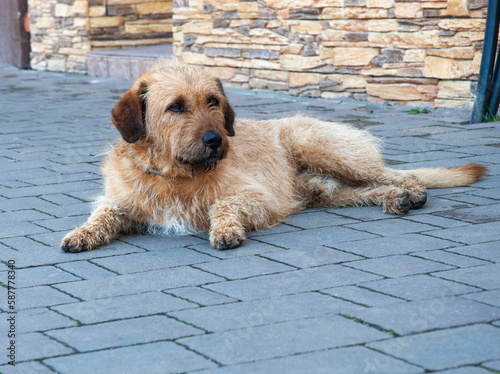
(128, 114)
(228, 112)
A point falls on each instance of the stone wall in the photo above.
(63, 31)
(130, 23)
(59, 34)
(400, 51)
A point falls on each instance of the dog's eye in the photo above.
(176, 107)
(213, 102)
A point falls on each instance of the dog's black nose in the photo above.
(212, 139)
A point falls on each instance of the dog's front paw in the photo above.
(228, 238)
(80, 240)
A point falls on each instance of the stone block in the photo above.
(354, 56)
(446, 68)
(303, 79)
(163, 7)
(104, 22)
(394, 91)
(408, 10)
(454, 89)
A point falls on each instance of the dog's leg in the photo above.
(348, 154)
(107, 222)
(232, 216)
(320, 190)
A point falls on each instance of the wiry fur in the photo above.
(163, 175)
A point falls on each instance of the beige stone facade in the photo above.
(130, 23)
(63, 31)
(400, 51)
(59, 35)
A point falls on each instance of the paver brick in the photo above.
(244, 267)
(160, 357)
(485, 276)
(153, 260)
(43, 275)
(450, 258)
(328, 236)
(41, 319)
(419, 287)
(391, 227)
(486, 297)
(425, 315)
(385, 246)
(85, 269)
(123, 333)
(41, 296)
(263, 312)
(353, 360)
(280, 339)
(474, 234)
(120, 307)
(398, 266)
(291, 282)
(306, 257)
(155, 280)
(438, 350)
(201, 296)
(35, 346)
(362, 296)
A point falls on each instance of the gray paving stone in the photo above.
(479, 214)
(42, 296)
(425, 315)
(161, 357)
(60, 199)
(391, 227)
(63, 224)
(86, 269)
(306, 257)
(398, 266)
(123, 333)
(485, 276)
(157, 242)
(279, 229)
(494, 365)
(328, 236)
(361, 296)
(486, 251)
(35, 346)
(156, 280)
(419, 287)
(119, 307)
(263, 312)
(243, 267)
(445, 349)
(466, 370)
(486, 297)
(43, 275)
(41, 319)
(369, 213)
(353, 360)
(474, 234)
(436, 221)
(201, 296)
(30, 367)
(291, 282)
(317, 219)
(153, 260)
(385, 246)
(450, 258)
(265, 342)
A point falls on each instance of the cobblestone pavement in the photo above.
(346, 290)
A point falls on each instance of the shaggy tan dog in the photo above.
(185, 164)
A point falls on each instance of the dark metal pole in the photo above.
(482, 102)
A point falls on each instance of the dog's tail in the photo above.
(457, 176)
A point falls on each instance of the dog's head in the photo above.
(180, 110)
